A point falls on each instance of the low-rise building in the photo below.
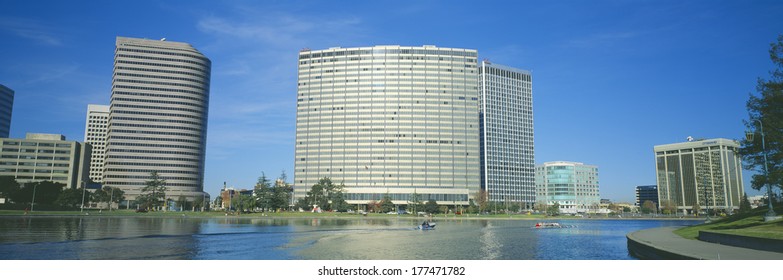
(45, 157)
(571, 185)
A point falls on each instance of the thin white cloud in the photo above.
(600, 39)
(30, 29)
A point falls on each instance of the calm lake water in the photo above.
(132, 238)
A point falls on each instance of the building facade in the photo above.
(645, 193)
(6, 110)
(389, 120)
(704, 172)
(506, 134)
(572, 185)
(45, 157)
(158, 117)
(95, 133)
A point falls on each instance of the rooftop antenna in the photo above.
(163, 39)
(690, 139)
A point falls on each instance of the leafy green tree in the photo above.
(415, 203)
(46, 193)
(386, 204)
(153, 194)
(696, 208)
(263, 193)
(108, 195)
(481, 199)
(431, 207)
(766, 107)
(8, 186)
(668, 207)
(649, 207)
(282, 191)
(324, 192)
(553, 210)
(71, 198)
(744, 206)
(218, 201)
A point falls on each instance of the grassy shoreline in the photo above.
(308, 215)
(750, 224)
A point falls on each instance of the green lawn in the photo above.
(750, 224)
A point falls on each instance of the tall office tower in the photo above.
(506, 126)
(95, 133)
(645, 193)
(6, 108)
(572, 185)
(704, 172)
(393, 120)
(45, 157)
(158, 117)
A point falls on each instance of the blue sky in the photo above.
(611, 79)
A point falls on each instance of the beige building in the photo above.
(95, 133)
(393, 120)
(45, 157)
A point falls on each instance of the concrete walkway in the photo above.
(662, 243)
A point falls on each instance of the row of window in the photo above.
(199, 81)
(49, 171)
(148, 171)
(15, 163)
(114, 146)
(156, 65)
(118, 124)
(35, 157)
(157, 108)
(170, 152)
(114, 163)
(16, 143)
(166, 133)
(195, 93)
(155, 120)
(157, 51)
(378, 51)
(158, 58)
(158, 101)
(116, 137)
(159, 95)
(160, 71)
(151, 158)
(157, 114)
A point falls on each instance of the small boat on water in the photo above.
(552, 225)
(426, 226)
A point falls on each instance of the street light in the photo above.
(32, 204)
(749, 136)
(84, 191)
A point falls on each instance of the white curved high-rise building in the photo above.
(390, 120)
(158, 117)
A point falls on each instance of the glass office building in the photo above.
(506, 127)
(6, 110)
(393, 120)
(704, 172)
(572, 185)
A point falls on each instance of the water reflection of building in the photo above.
(707, 173)
(572, 185)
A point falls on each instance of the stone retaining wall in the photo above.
(755, 243)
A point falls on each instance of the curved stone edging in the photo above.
(647, 251)
(749, 242)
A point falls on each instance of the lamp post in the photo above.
(749, 136)
(111, 199)
(84, 191)
(32, 203)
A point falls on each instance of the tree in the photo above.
(668, 207)
(71, 198)
(482, 199)
(386, 204)
(263, 193)
(154, 192)
(8, 186)
(649, 207)
(767, 107)
(553, 210)
(46, 193)
(744, 206)
(198, 202)
(431, 206)
(540, 206)
(696, 208)
(415, 202)
(282, 191)
(326, 194)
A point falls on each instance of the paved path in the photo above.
(663, 238)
